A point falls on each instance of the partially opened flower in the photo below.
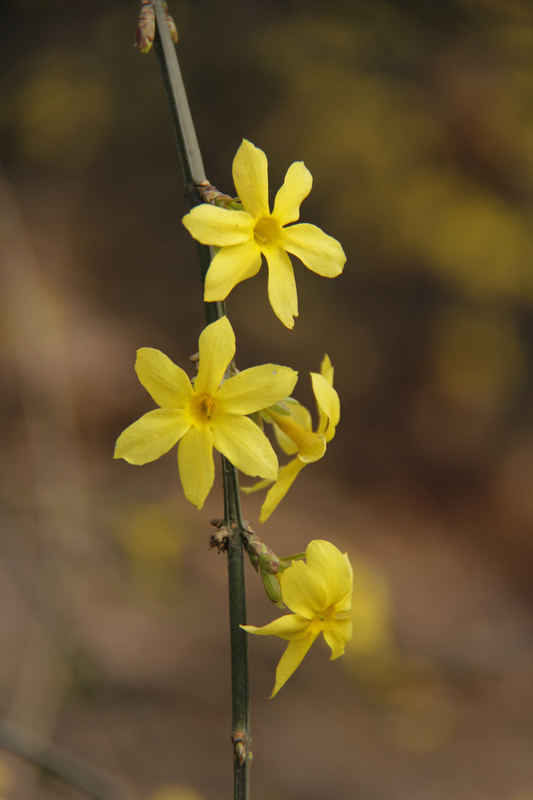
(244, 236)
(211, 412)
(295, 435)
(319, 592)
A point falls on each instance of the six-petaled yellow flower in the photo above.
(295, 435)
(211, 412)
(319, 592)
(244, 236)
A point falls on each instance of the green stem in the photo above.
(192, 165)
(240, 694)
(193, 174)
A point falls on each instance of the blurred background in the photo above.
(416, 121)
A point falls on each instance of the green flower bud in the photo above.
(272, 587)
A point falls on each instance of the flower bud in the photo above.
(260, 554)
(272, 587)
(145, 27)
(171, 24)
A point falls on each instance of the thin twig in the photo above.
(194, 175)
(185, 134)
(60, 764)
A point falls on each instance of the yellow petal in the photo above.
(301, 416)
(344, 605)
(256, 388)
(292, 658)
(230, 266)
(318, 251)
(257, 487)
(167, 383)
(243, 443)
(281, 285)
(296, 187)
(304, 591)
(195, 463)
(311, 446)
(326, 562)
(218, 226)
(151, 436)
(326, 369)
(328, 405)
(250, 176)
(327, 372)
(216, 349)
(290, 626)
(336, 636)
(286, 477)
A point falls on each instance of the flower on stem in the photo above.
(244, 236)
(211, 412)
(319, 592)
(295, 436)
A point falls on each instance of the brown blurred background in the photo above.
(416, 121)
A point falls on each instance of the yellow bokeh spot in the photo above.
(478, 359)
(62, 116)
(152, 542)
(6, 779)
(371, 610)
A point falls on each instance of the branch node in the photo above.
(240, 747)
(210, 194)
(219, 540)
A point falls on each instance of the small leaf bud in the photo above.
(145, 27)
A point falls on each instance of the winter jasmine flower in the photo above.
(319, 593)
(295, 435)
(245, 236)
(210, 412)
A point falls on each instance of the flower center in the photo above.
(202, 408)
(323, 618)
(267, 231)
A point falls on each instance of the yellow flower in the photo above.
(210, 413)
(319, 592)
(244, 236)
(295, 435)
